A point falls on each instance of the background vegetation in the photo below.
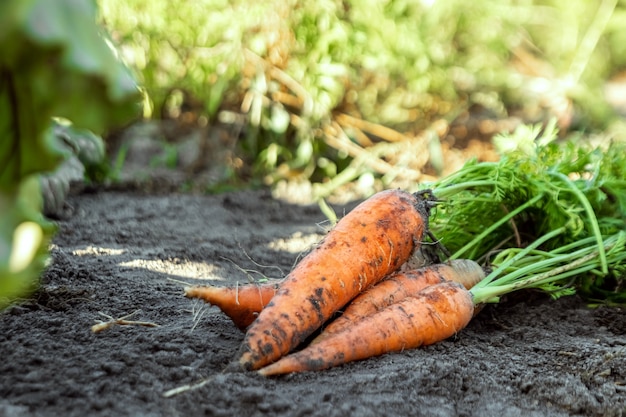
(47, 71)
(331, 91)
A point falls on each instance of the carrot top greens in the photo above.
(549, 214)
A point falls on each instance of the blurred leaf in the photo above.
(49, 71)
(24, 240)
(55, 62)
(280, 120)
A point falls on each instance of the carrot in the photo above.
(400, 285)
(244, 302)
(370, 242)
(241, 303)
(434, 314)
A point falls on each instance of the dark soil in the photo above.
(120, 252)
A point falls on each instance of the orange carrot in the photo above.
(241, 303)
(436, 313)
(400, 285)
(370, 242)
(244, 302)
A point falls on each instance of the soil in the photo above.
(123, 252)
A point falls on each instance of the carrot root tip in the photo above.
(233, 368)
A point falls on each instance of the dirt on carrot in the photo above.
(369, 243)
(401, 285)
(242, 303)
(436, 313)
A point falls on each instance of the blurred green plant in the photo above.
(349, 87)
(55, 62)
(85, 162)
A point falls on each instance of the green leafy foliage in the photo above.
(546, 211)
(286, 71)
(85, 161)
(24, 239)
(47, 70)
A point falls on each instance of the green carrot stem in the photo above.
(492, 294)
(584, 262)
(558, 277)
(489, 278)
(555, 272)
(494, 226)
(568, 247)
(449, 190)
(592, 216)
(483, 295)
(547, 263)
(463, 172)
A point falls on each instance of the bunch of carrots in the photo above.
(355, 293)
(354, 268)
